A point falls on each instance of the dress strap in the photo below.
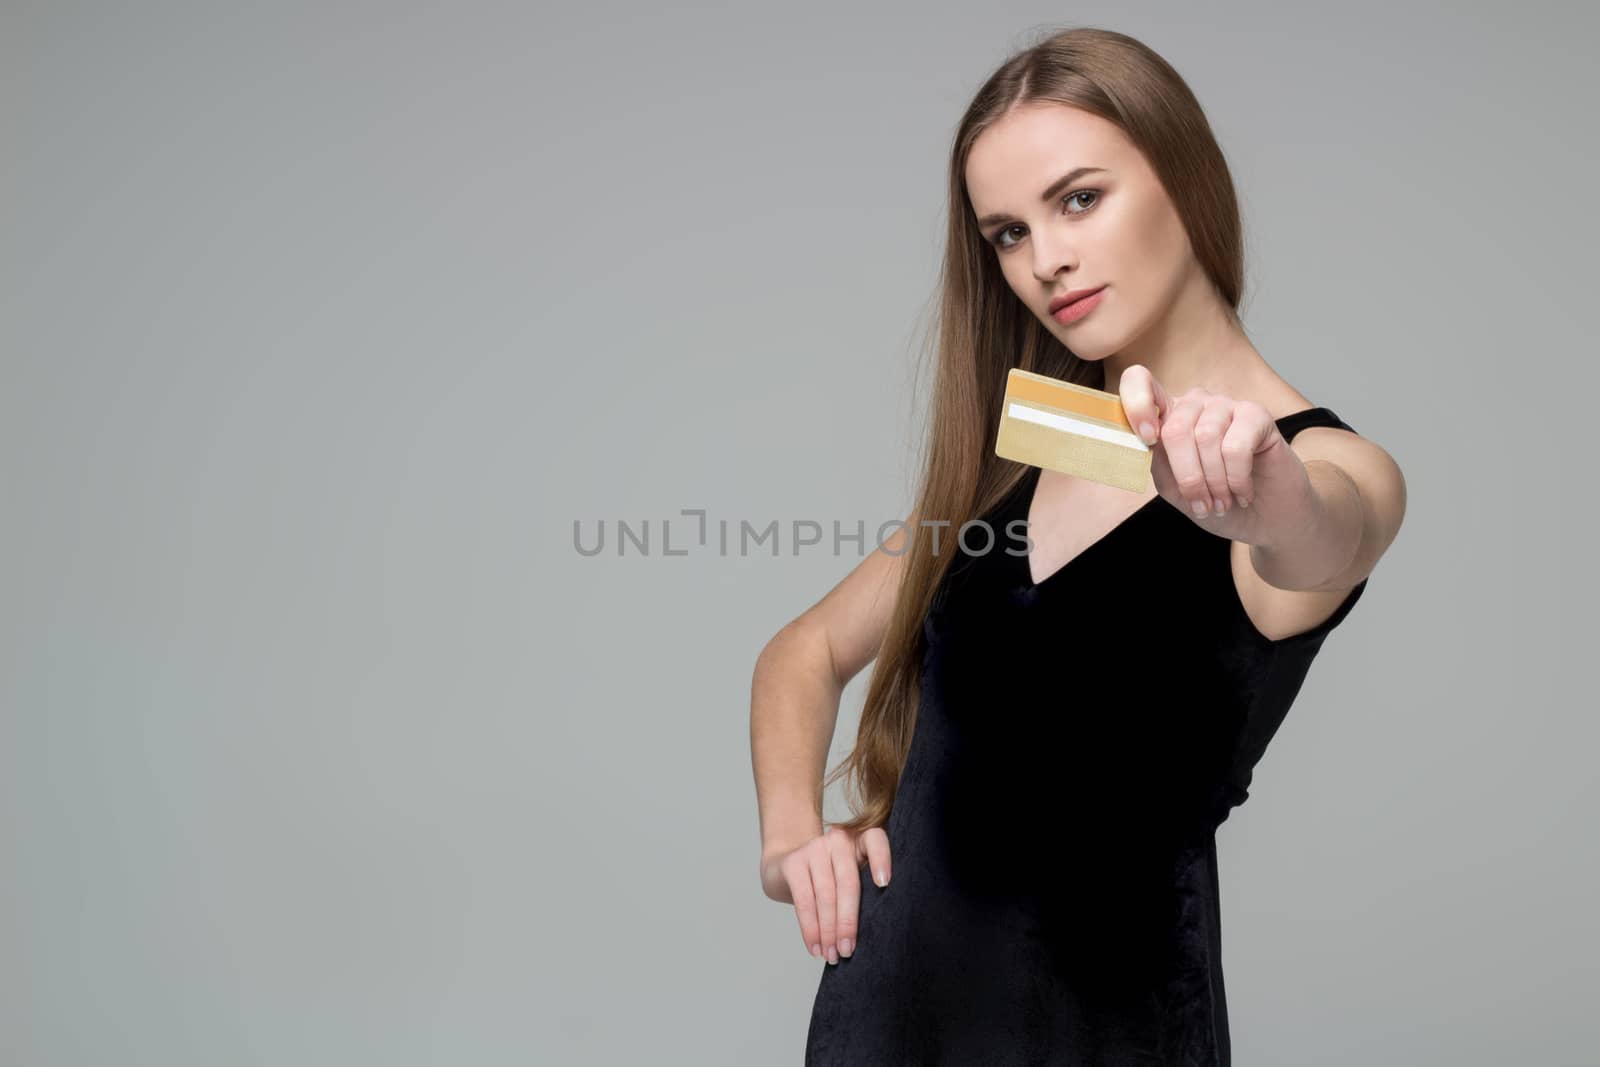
(1293, 423)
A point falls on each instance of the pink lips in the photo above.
(1078, 308)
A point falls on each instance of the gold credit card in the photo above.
(1046, 422)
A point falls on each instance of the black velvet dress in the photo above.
(1078, 742)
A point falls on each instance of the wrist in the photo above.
(782, 845)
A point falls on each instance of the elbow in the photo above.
(797, 647)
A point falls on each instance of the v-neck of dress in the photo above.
(1030, 482)
(1030, 485)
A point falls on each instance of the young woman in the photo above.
(1051, 738)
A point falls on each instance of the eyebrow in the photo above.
(1050, 193)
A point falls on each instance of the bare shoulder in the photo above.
(1374, 473)
(1380, 484)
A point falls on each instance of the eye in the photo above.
(997, 241)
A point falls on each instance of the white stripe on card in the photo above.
(1078, 426)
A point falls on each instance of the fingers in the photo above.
(797, 870)
(824, 879)
(1209, 427)
(1144, 401)
(1183, 457)
(874, 841)
(1208, 444)
(827, 892)
(1248, 428)
(848, 889)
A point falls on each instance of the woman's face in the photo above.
(1111, 225)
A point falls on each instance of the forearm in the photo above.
(1316, 532)
(794, 704)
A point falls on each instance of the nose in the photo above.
(1052, 253)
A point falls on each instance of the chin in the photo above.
(1086, 350)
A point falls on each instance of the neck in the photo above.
(1197, 342)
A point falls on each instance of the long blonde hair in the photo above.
(983, 330)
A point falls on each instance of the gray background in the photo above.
(320, 326)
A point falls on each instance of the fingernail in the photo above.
(833, 954)
(846, 947)
(1220, 506)
(1198, 507)
(1243, 503)
(877, 876)
(816, 950)
(1148, 432)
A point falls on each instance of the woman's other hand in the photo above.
(821, 878)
